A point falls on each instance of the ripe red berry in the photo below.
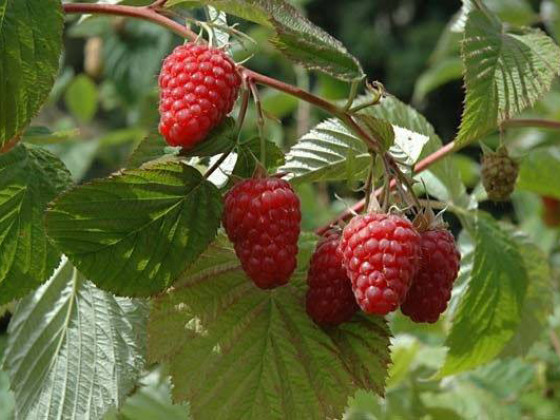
(431, 287)
(381, 254)
(329, 300)
(198, 88)
(262, 218)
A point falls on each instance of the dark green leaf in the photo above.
(220, 140)
(134, 232)
(539, 172)
(29, 179)
(295, 36)
(81, 98)
(236, 351)
(248, 153)
(151, 148)
(379, 129)
(31, 34)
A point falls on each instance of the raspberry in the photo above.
(499, 174)
(330, 300)
(431, 287)
(551, 211)
(198, 88)
(381, 254)
(262, 218)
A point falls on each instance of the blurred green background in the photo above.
(105, 102)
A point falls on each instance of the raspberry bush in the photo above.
(183, 235)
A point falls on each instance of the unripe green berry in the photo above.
(499, 174)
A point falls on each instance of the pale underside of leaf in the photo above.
(327, 151)
(505, 72)
(74, 351)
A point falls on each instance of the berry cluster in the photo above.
(380, 262)
(198, 88)
(387, 264)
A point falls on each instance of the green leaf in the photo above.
(220, 140)
(151, 401)
(7, 404)
(81, 98)
(39, 135)
(74, 351)
(31, 33)
(133, 56)
(443, 179)
(325, 152)
(505, 72)
(29, 179)
(490, 310)
(539, 172)
(219, 19)
(236, 351)
(151, 148)
(538, 303)
(298, 38)
(380, 129)
(134, 232)
(248, 153)
(322, 154)
(441, 73)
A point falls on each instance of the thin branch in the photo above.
(260, 120)
(531, 122)
(217, 164)
(150, 14)
(420, 166)
(144, 13)
(243, 110)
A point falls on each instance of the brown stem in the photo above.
(148, 13)
(217, 164)
(145, 13)
(531, 122)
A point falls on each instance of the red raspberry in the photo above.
(262, 218)
(330, 300)
(198, 88)
(431, 288)
(381, 254)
